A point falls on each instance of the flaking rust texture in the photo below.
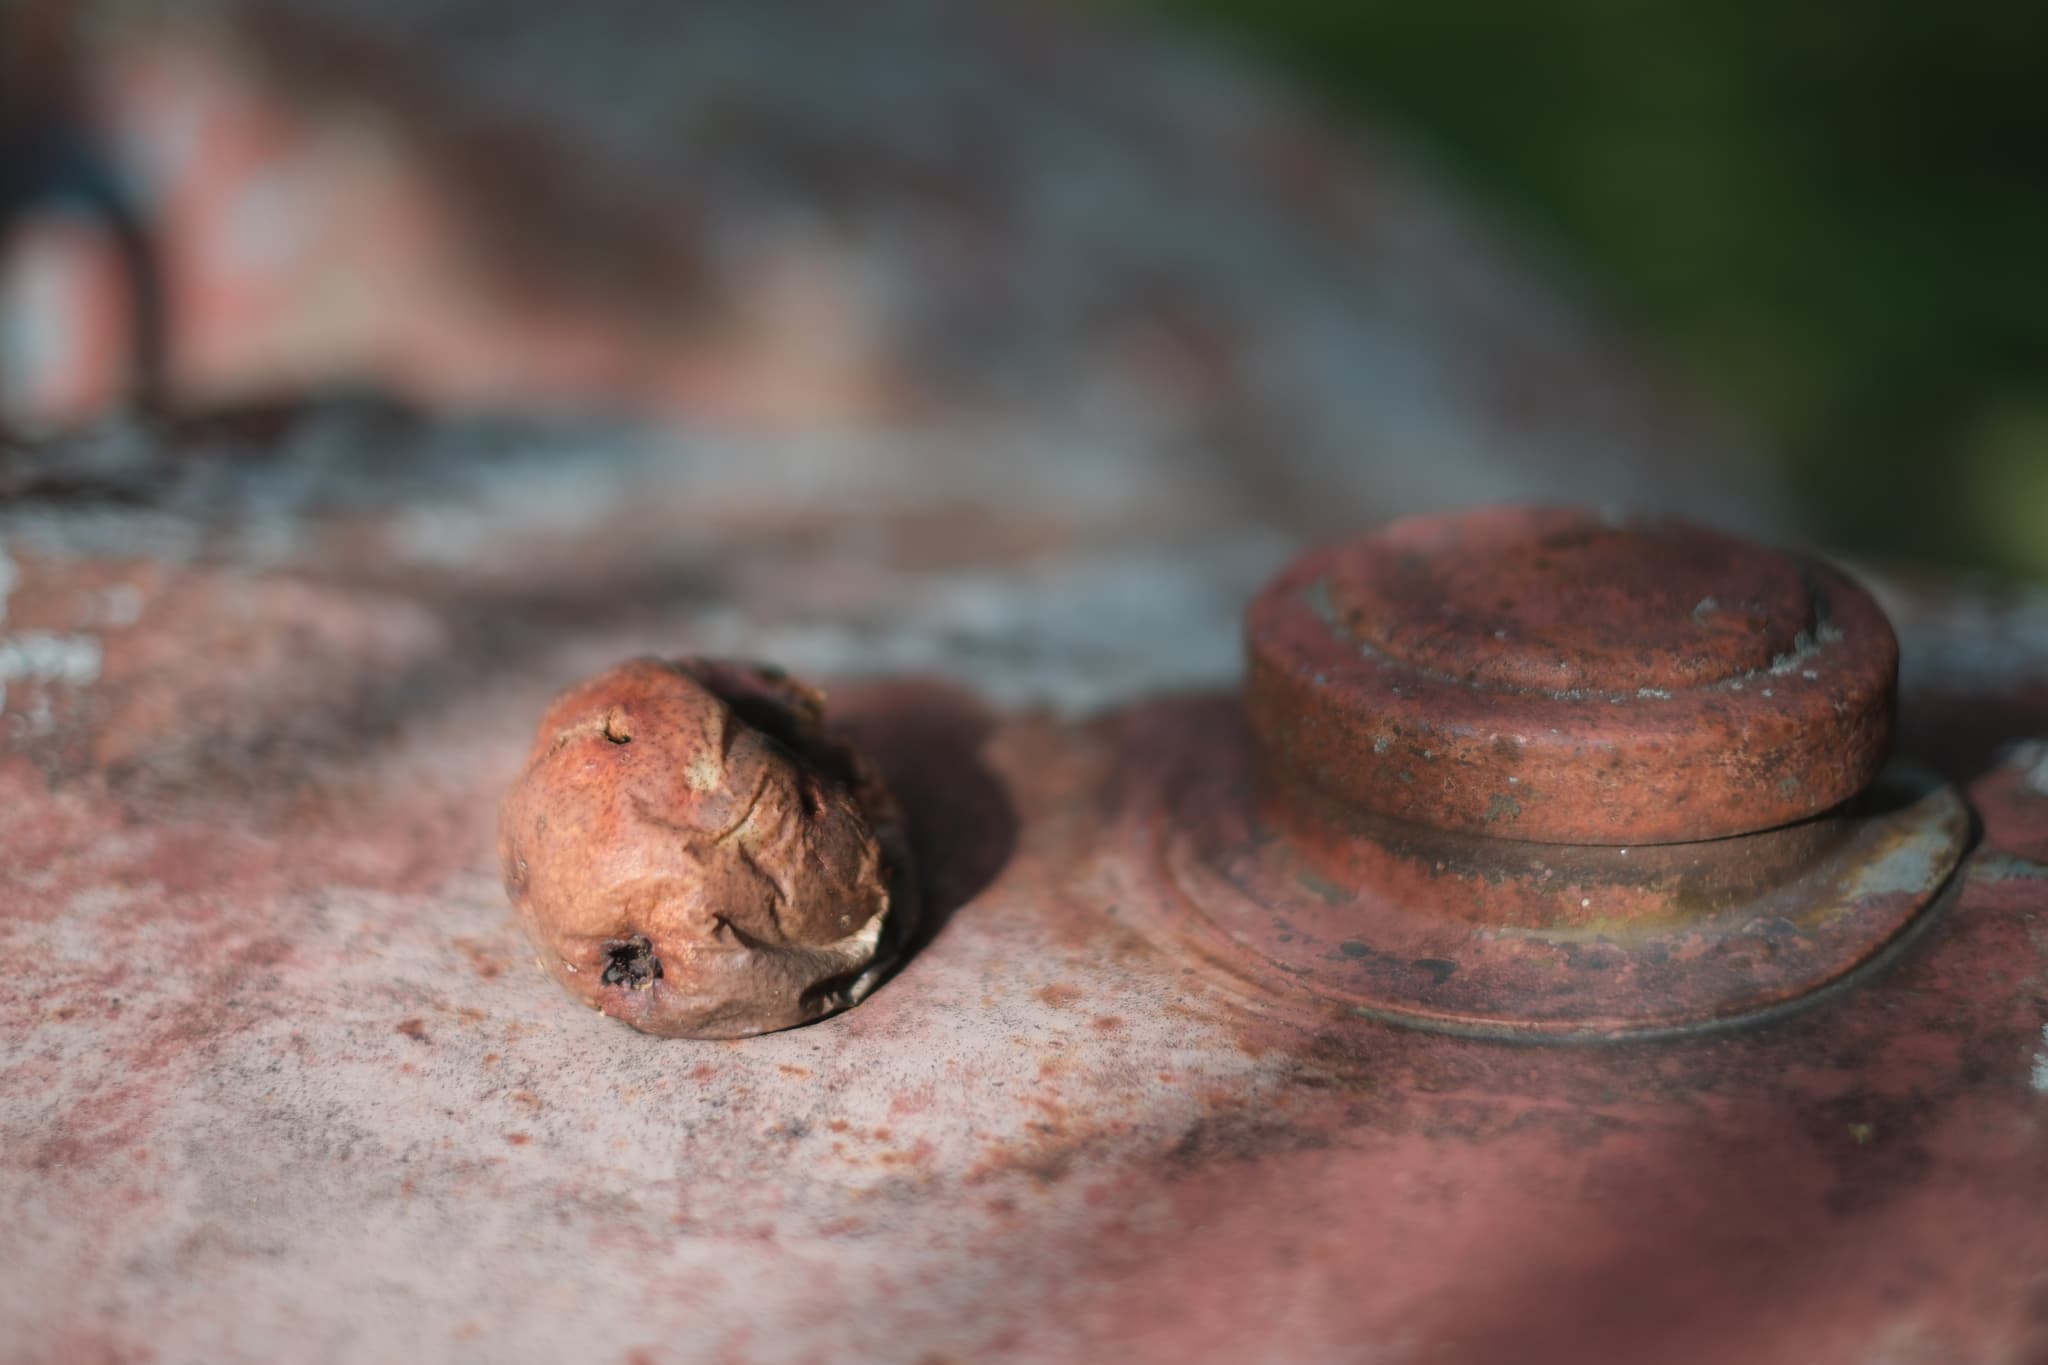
(281, 1077)
(1079, 339)
(1457, 729)
(1567, 676)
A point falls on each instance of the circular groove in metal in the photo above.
(1573, 947)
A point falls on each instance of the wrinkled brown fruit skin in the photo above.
(691, 852)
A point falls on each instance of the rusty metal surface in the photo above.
(1491, 937)
(1549, 772)
(281, 1079)
(278, 1077)
(1557, 675)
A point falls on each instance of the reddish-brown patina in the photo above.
(277, 1079)
(1459, 932)
(1551, 772)
(1557, 675)
(280, 1076)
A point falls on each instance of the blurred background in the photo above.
(1778, 264)
(1835, 217)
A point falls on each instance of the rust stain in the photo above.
(486, 963)
(287, 834)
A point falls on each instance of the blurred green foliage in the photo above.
(1833, 216)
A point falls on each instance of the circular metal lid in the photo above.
(1560, 675)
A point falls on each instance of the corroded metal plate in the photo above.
(278, 1078)
(1498, 937)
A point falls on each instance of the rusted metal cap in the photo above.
(1562, 675)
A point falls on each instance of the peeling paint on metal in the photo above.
(2031, 759)
(1998, 867)
(276, 1070)
(284, 1015)
(44, 656)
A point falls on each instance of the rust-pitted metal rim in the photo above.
(1589, 959)
(1424, 701)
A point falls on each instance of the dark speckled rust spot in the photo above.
(631, 962)
(487, 966)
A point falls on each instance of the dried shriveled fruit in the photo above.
(692, 851)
